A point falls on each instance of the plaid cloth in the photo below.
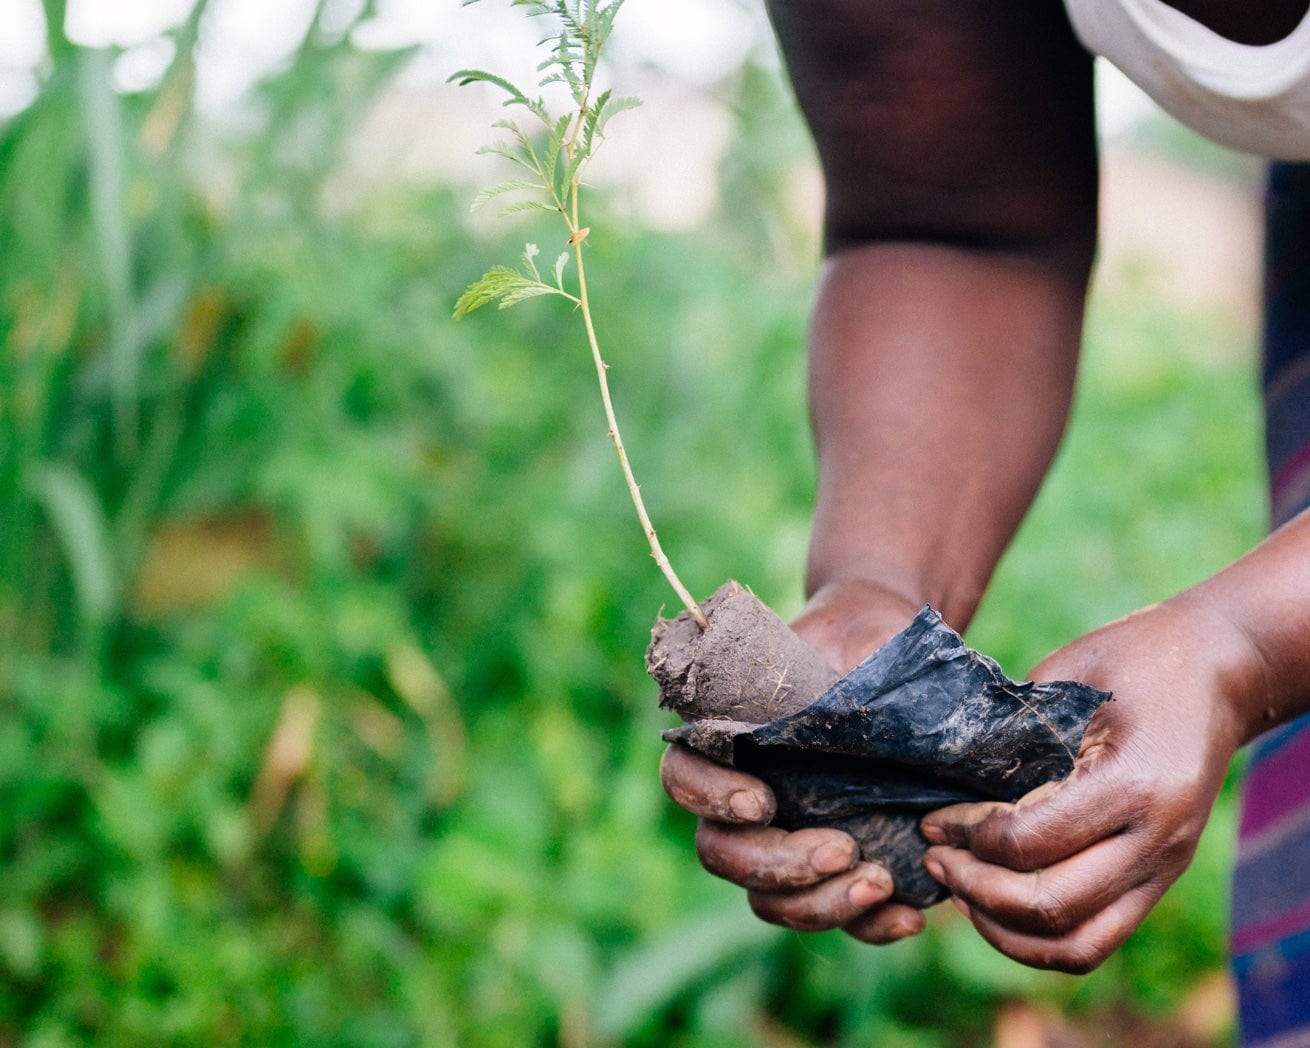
(1270, 937)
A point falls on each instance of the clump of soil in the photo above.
(922, 723)
(746, 665)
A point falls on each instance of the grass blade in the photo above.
(654, 975)
(79, 523)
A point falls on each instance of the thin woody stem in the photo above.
(656, 550)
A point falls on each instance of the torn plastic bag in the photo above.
(924, 722)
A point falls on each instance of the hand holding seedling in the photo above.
(810, 879)
(960, 225)
(1061, 879)
(734, 671)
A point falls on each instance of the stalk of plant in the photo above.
(571, 140)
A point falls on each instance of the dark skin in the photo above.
(958, 147)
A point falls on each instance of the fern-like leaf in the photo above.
(513, 185)
(519, 206)
(614, 106)
(504, 285)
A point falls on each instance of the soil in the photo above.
(923, 723)
(747, 665)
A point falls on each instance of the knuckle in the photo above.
(875, 936)
(763, 907)
(667, 778)
(1008, 842)
(675, 779)
(788, 913)
(784, 871)
(885, 926)
(1074, 956)
(709, 849)
(1051, 911)
(1079, 958)
(1179, 847)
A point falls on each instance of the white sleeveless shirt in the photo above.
(1253, 98)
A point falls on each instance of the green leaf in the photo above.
(655, 974)
(554, 147)
(505, 285)
(516, 95)
(527, 205)
(522, 152)
(511, 186)
(493, 284)
(79, 523)
(526, 290)
(613, 108)
(509, 153)
(472, 76)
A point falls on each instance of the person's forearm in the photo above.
(958, 148)
(1265, 597)
(941, 378)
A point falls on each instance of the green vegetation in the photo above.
(321, 618)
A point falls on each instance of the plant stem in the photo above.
(656, 550)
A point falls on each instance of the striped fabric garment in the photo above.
(1271, 885)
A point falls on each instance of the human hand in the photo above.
(809, 879)
(1062, 877)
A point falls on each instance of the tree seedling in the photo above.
(555, 151)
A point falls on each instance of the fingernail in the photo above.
(933, 834)
(745, 805)
(960, 905)
(831, 858)
(865, 893)
(935, 870)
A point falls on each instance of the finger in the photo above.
(1053, 900)
(1080, 950)
(765, 858)
(713, 791)
(830, 904)
(1052, 823)
(886, 924)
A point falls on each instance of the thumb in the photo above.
(1054, 821)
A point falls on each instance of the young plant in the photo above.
(555, 150)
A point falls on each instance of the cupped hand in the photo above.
(809, 879)
(1062, 877)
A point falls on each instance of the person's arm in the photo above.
(957, 143)
(1060, 879)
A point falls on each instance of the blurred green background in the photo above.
(322, 713)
